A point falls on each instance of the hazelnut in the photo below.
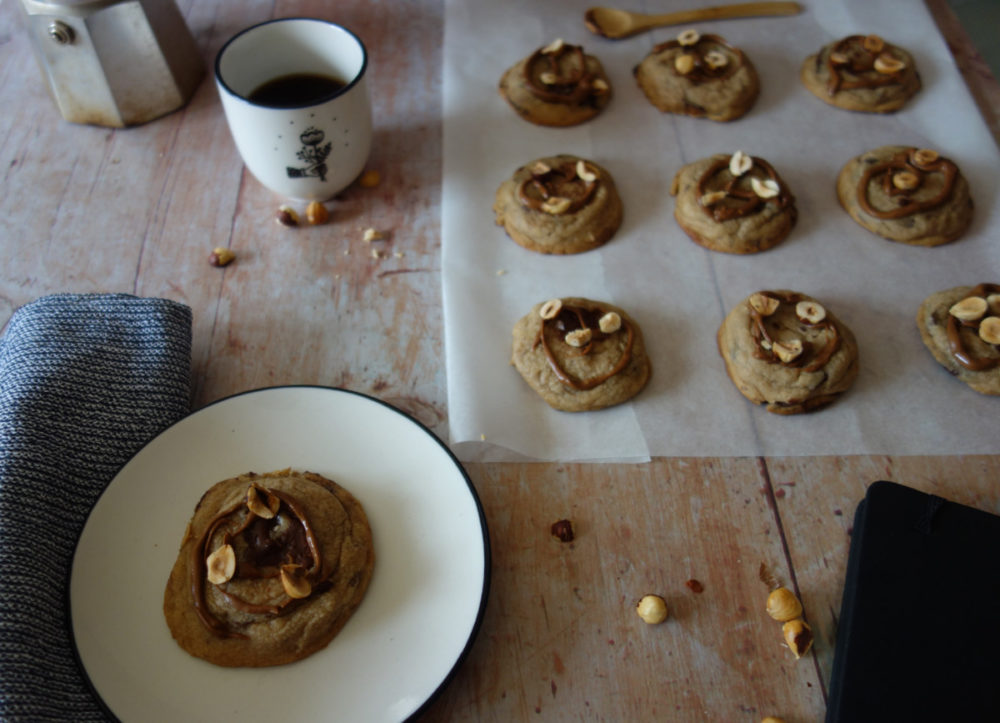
(599, 86)
(221, 256)
(714, 59)
(711, 198)
(554, 47)
(684, 63)
(548, 78)
(993, 301)
(370, 179)
(989, 330)
(316, 213)
(287, 216)
(773, 719)
(688, 37)
(810, 312)
(924, 157)
(838, 58)
(540, 168)
(789, 350)
(740, 163)
(652, 609)
(763, 304)
(766, 188)
(550, 309)
(261, 502)
(372, 234)
(555, 206)
(294, 581)
(221, 564)
(610, 322)
(971, 308)
(585, 173)
(562, 530)
(888, 64)
(906, 180)
(873, 44)
(579, 337)
(782, 605)
(798, 635)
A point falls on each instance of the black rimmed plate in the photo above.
(417, 621)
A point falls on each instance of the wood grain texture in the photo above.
(139, 210)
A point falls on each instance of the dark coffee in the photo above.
(297, 89)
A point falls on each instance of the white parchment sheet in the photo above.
(902, 402)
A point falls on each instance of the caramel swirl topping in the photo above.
(724, 195)
(575, 323)
(558, 190)
(862, 61)
(263, 546)
(901, 179)
(958, 346)
(769, 349)
(711, 58)
(558, 73)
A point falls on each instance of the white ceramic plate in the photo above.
(417, 621)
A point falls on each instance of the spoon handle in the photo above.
(739, 10)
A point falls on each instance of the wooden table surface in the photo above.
(93, 209)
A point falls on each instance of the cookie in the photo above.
(558, 85)
(699, 75)
(914, 196)
(784, 350)
(863, 73)
(580, 355)
(961, 328)
(735, 204)
(270, 569)
(559, 205)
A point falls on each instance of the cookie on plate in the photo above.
(559, 205)
(736, 203)
(558, 85)
(961, 328)
(699, 75)
(270, 569)
(580, 355)
(784, 350)
(911, 195)
(863, 73)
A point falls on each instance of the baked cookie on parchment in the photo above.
(270, 569)
(784, 350)
(559, 205)
(558, 85)
(699, 75)
(862, 73)
(961, 328)
(580, 355)
(911, 195)
(735, 204)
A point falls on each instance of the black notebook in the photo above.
(919, 630)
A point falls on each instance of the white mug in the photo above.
(305, 147)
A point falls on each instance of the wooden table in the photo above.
(139, 210)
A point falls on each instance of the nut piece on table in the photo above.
(316, 213)
(773, 719)
(798, 635)
(221, 564)
(221, 256)
(652, 609)
(370, 179)
(372, 234)
(287, 216)
(562, 530)
(782, 605)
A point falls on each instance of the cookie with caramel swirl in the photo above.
(559, 205)
(784, 350)
(270, 569)
(699, 75)
(580, 355)
(910, 195)
(862, 73)
(961, 329)
(736, 204)
(558, 85)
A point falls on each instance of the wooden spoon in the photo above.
(613, 23)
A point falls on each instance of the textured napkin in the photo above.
(85, 382)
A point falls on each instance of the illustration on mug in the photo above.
(313, 154)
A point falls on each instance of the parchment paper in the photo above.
(902, 402)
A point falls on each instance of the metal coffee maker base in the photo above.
(114, 63)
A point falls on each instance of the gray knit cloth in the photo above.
(85, 382)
